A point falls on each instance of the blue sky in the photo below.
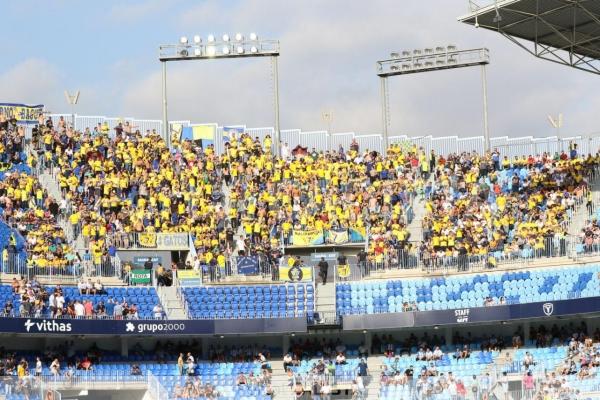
(108, 50)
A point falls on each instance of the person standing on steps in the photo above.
(323, 269)
(362, 261)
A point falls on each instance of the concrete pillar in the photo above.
(448, 335)
(368, 340)
(285, 343)
(124, 346)
(205, 346)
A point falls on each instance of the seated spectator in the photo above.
(528, 360)
(98, 288)
(241, 379)
(136, 370)
(340, 359)
(158, 312)
(84, 287)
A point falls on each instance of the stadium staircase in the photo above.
(581, 216)
(374, 380)
(325, 300)
(171, 302)
(415, 228)
(50, 183)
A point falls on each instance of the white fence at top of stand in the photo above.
(508, 146)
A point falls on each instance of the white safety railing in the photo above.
(509, 146)
(90, 380)
(155, 388)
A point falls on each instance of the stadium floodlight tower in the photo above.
(214, 48)
(429, 60)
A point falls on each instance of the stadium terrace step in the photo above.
(173, 305)
(581, 215)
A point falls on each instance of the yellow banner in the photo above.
(307, 238)
(204, 132)
(147, 239)
(295, 274)
(22, 112)
(343, 271)
(188, 274)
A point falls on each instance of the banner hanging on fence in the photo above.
(338, 237)
(295, 273)
(307, 238)
(140, 276)
(21, 112)
(147, 239)
(358, 234)
(232, 132)
(343, 271)
(247, 265)
(188, 274)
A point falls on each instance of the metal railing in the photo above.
(425, 262)
(65, 271)
(155, 388)
(512, 146)
(91, 380)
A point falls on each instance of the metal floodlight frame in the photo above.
(199, 50)
(428, 60)
(172, 52)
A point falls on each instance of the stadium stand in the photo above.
(250, 301)
(88, 300)
(468, 291)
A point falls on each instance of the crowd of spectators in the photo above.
(479, 204)
(132, 183)
(27, 207)
(35, 300)
(128, 182)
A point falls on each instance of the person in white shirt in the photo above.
(340, 359)
(60, 303)
(158, 311)
(83, 287)
(55, 367)
(79, 310)
(38, 366)
(52, 304)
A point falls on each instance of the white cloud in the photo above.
(32, 81)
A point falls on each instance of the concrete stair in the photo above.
(581, 216)
(171, 302)
(415, 228)
(325, 297)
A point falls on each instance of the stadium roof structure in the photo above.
(562, 31)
